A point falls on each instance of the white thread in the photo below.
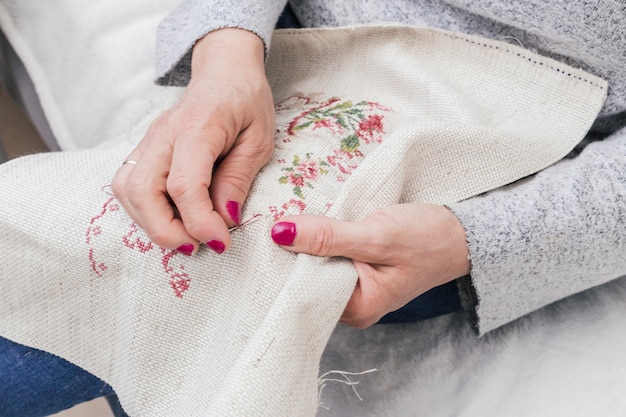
(104, 189)
(513, 38)
(323, 379)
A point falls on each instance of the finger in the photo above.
(188, 184)
(119, 181)
(235, 174)
(368, 303)
(140, 189)
(325, 236)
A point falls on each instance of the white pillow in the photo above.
(91, 62)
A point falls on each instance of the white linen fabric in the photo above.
(525, 254)
(366, 117)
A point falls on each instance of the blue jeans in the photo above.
(36, 383)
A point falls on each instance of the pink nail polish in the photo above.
(234, 211)
(217, 246)
(186, 249)
(284, 233)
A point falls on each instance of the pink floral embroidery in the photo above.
(179, 279)
(371, 129)
(344, 118)
(311, 116)
(346, 162)
(93, 231)
(291, 207)
(138, 243)
(303, 173)
(134, 239)
(355, 126)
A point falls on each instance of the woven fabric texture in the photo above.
(366, 117)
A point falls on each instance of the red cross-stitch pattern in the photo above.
(302, 173)
(179, 279)
(138, 243)
(352, 128)
(134, 240)
(94, 230)
(291, 207)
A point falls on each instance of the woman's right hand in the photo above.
(195, 165)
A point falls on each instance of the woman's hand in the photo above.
(197, 161)
(399, 253)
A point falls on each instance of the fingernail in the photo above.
(284, 233)
(217, 246)
(186, 249)
(234, 211)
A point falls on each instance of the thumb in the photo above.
(322, 236)
(232, 180)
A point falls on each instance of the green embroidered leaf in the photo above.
(296, 160)
(323, 171)
(357, 112)
(298, 191)
(339, 118)
(350, 143)
(341, 106)
(283, 180)
(303, 125)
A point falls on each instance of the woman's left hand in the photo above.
(399, 253)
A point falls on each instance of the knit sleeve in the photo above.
(549, 236)
(193, 19)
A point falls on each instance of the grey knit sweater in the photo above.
(549, 236)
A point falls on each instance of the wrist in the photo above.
(226, 47)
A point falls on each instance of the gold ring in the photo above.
(128, 161)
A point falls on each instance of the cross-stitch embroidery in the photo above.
(343, 118)
(349, 131)
(303, 173)
(291, 207)
(135, 239)
(352, 129)
(142, 245)
(179, 279)
(94, 230)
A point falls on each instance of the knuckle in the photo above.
(135, 191)
(240, 180)
(321, 241)
(179, 186)
(201, 116)
(258, 148)
(161, 126)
